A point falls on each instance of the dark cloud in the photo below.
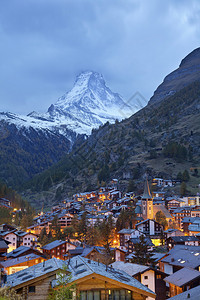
(46, 43)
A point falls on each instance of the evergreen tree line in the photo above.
(23, 216)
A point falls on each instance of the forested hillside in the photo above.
(162, 138)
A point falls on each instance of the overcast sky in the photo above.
(133, 43)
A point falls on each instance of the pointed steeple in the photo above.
(147, 193)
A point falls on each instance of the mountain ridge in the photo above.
(50, 135)
(187, 72)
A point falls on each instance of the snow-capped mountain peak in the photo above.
(89, 104)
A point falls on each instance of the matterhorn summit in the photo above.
(89, 104)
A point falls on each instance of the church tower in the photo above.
(147, 202)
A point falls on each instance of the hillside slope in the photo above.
(136, 145)
(188, 72)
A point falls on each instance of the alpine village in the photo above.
(105, 211)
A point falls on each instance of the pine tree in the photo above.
(107, 233)
(142, 255)
(183, 189)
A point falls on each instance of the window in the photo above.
(31, 289)
(145, 277)
(158, 276)
(106, 294)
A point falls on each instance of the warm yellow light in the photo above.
(156, 242)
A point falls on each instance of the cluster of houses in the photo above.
(32, 270)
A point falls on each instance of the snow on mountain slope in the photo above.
(89, 104)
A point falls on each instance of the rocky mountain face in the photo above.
(188, 72)
(89, 104)
(32, 143)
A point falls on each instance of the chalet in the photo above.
(158, 201)
(14, 265)
(153, 279)
(26, 239)
(150, 227)
(97, 281)
(195, 212)
(120, 254)
(35, 282)
(160, 182)
(160, 194)
(37, 228)
(11, 237)
(173, 203)
(182, 280)
(21, 251)
(192, 200)
(92, 280)
(182, 240)
(115, 194)
(57, 249)
(180, 213)
(194, 228)
(65, 219)
(186, 222)
(179, 257)
(74, 210)
(172, 232)
(124, 236)
(91, 252)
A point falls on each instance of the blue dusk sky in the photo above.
(134, 44)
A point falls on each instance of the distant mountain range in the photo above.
(32, 143)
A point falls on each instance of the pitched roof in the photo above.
(34, 272)
(183, 256)
(147, 193)
(184, 238)
(81, 267)
(129, 268)
(53, 244)
(19, 260)
(183, 276)
(3, 244)
(19, 251)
